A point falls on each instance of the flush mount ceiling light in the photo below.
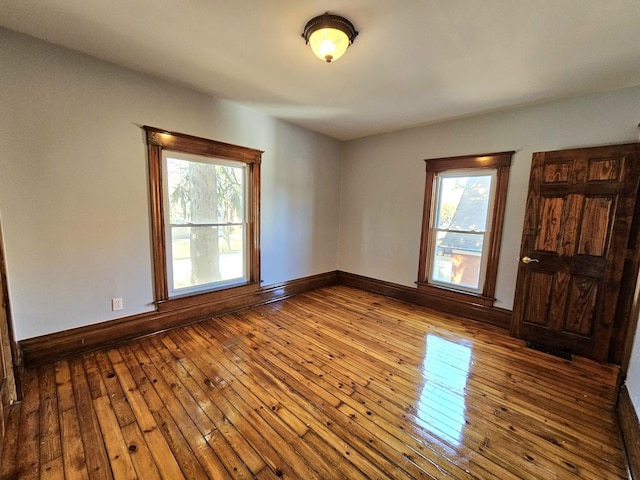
(329, 36)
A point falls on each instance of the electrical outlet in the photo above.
(116, 304)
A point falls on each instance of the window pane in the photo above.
(463, 202)
(457, 258)
(205, 255)
(204, 193)
(230, 194)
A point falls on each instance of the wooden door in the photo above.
(575, 238)
(8, 390)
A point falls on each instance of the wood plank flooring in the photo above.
(334, 383)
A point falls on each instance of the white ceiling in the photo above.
(414, 61)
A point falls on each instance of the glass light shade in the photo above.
(329, 36)
(329, 44)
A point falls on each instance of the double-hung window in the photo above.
(205, 222)
(462, 225)
(205, 210)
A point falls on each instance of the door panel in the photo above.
(581, 303)
(558, 300)
(595, 226)
(550, 228)
(577, 224)
(538, 308)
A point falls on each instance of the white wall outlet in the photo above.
(116, 304)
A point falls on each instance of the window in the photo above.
(204, 214)
(462, 225)
(459, 232)
(204, 222)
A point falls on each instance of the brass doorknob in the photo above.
(526, 259)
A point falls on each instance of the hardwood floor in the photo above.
(334, 383)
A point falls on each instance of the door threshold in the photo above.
(550, 350)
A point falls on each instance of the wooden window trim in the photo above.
(159, 140)
(501, 161)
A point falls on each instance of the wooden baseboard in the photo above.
(630, 430)
(499, 317)
(55, 346)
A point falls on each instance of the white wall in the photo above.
(383, 182)
(73, 183)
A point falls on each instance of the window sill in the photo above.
(201, 298)
(457, 295)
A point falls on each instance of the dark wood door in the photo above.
(577, 223)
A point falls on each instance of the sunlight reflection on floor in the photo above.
(442, 399)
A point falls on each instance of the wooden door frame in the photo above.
(628, 309)
(14, 370)
(631, 327)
